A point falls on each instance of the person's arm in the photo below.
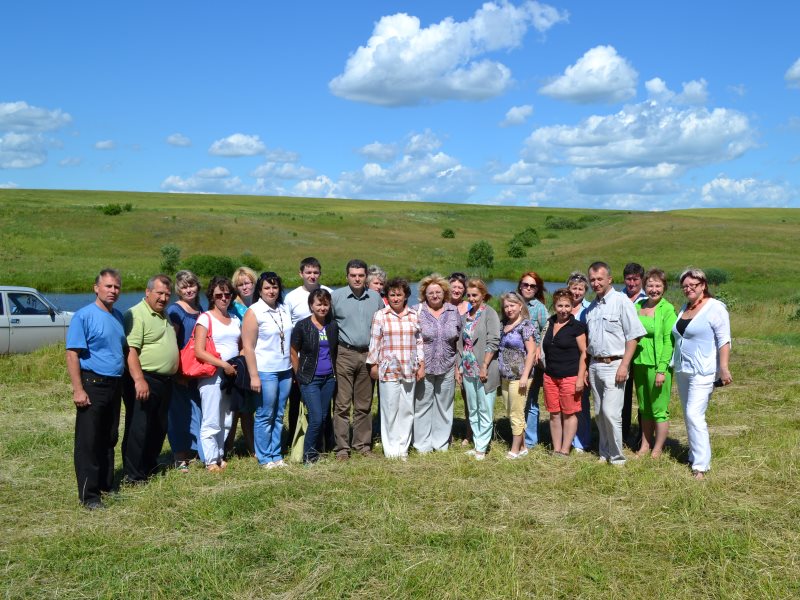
(667, 345)
(492, 342)
(136, 373)
(633, 331)
(721, 324)
(79, 395)
(375, 344)
(625, 365)
(581, 381)
(249, 339)
(420, 352)
(200, 336)
(530, 359)
(724, 371)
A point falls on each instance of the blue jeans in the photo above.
(268, 426)
(532, 410)
(317, 398)
(583, 438)
(183, 419)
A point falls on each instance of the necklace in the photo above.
(279, 325)
(697, 304)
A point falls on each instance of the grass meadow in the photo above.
(437, 526)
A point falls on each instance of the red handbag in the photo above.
(192, 367)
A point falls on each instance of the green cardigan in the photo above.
(665, 318)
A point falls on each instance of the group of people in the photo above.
(319, 352)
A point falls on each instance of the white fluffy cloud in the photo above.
(22, 150)
(792, 75)
(600, 75)
(21, 117)
(404, 63)
(283, 170)
(8, 185)
(423, 143)
(517, 115)
(70, 161)
(378, 152)
(105, 145)
(201, 184)
(694, 92)
(238, 144)
(520, 173)
(725, 191)
(645, 134)
(213, 173)
(178, 139)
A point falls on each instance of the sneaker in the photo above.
(94, 505)
(480, 455)
(578, 450)
(470, 453)
(523, 452)
(279, 464)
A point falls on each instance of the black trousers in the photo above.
(96, 435)
(145, 426)
(627, 414)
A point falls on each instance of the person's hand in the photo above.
(622, 375)
(421, 372)
(229, 369)
(578, 386)
(523, 385)
(255, 383)
(373, 372)
(660, 377)
(725, 375)
(483, 374)
(81, 398)
(142, 390)
(457, 377)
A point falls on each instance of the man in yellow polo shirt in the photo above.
(147, 385)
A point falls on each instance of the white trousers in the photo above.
(216, 420)
(609, 396)
(397, 417)
(695, 392)
(433, 412)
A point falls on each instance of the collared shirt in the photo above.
(439, 337)
(641, 295)
(611, 321)
(354, 314)
(99, 337)
(396, 344)
(538, 314)
(152, 334)
(296, 302)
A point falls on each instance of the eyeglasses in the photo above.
(528, 286)
(222, 295)
(690, 286)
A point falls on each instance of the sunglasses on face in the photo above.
(221, 295)
(528, 286)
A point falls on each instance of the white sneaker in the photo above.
(480, 455)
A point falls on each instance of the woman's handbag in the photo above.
(190, 366)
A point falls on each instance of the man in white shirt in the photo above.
(296, 302)
(614, 331)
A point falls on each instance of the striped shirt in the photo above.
(395, 344)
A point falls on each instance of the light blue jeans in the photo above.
(481, 412)
(184, 418)
(268, 426)
(532, 410)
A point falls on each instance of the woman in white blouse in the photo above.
(702, 337)
(266, 336)
(225, 329)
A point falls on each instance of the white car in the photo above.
(29, 321)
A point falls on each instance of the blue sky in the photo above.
(633, 105)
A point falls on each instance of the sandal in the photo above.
(182, 466)
(698, 475)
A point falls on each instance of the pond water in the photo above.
(73, 302)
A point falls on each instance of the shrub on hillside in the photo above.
(170, 259)
(527, 237)
(716, 276)
(480, 254)
(448, 233)
(208, 265)
(250, 260)
(552, 222)
(516, 249)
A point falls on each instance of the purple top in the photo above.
(324, 364)
(512, 351)
(439, 338)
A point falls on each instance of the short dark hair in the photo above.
(108, 272)
(323, 295)
(561, 293)
(599, 264)
(272, 278)
(355, 263)
(398, 283)
(222, 283)
(658, 274)
(633, 268)
(309, 261)
(151, 283)
(458, 276)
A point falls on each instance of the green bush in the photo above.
(728, 299)
(716, 276)
(250, 260)
(552, 222)
(527, 237)
(516, 249)
(127, 207)
(448, 233)
(170, 259)
(111, 209)
(208, 265)
(480, 254)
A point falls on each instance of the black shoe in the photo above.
(94, 505)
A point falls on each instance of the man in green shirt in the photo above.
(147, 386)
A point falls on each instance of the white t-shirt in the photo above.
(226, 337)
(296, 302)
(273, 324)
(697, 350)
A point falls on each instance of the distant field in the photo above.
(58, 240)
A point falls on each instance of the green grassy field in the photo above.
(438, 526)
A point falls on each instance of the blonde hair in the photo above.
(477, 282)
(514, 298)
(237, 274)
(434, 279)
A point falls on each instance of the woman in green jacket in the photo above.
(652, 374)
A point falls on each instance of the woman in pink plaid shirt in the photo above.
(396, 360)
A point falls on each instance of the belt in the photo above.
(158, 376)
(361, 349)
(606, 359)
(97, 378)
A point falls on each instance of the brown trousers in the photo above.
(354, 389)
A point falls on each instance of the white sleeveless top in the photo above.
(226, 337)
(271, 355)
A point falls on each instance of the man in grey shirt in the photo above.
(353, 307)
(614, 330)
